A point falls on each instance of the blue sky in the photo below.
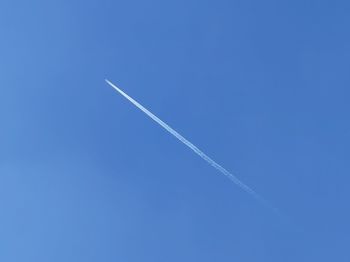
(262, 87)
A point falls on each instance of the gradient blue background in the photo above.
(261, 86)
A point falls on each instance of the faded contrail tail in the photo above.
(195, 149)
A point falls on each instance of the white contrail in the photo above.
(193, 147)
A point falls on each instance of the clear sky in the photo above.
(261, 86)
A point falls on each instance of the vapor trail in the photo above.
(194, 148)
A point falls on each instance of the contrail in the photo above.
(194, 148)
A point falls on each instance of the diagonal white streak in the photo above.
(192, 147)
